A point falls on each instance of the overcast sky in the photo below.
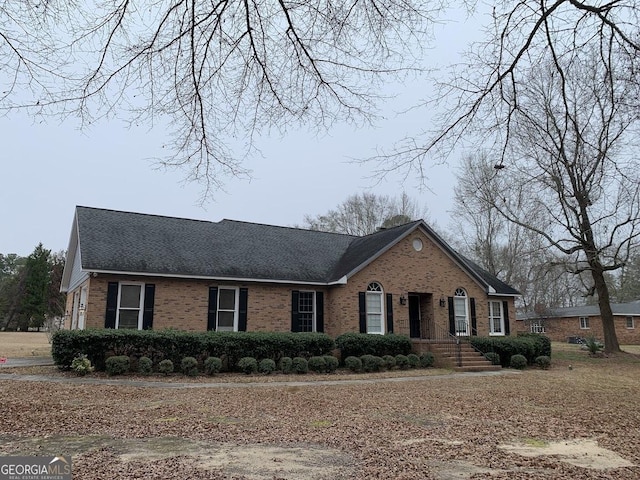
(49, 168)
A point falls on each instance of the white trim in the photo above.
(314, 312)
(382, 307)
(140, 305)
(236, 307)
(580, 319)
(501, 333)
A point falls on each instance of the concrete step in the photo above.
(478, 368)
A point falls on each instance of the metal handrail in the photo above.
(451, 342)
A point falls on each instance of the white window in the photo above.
(584, 323)
(496, 319)
(227, 312)
(461, 312)
(375, 318)
(631, 322)
(130, 306)
(537, 326)
(307, 311)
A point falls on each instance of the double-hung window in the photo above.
(630, 323)
(496, 319)
(130, 306)
(227, 316)
(306, 311)
(537, 326)
(584, 323)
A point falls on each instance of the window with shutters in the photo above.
(307, 311)
(227, 313)
(496, 318)
(130, 306)
(374, 308)
(461, 312)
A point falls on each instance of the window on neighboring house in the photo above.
(584, 323)
(461, 312)
(375, 319)
(631, 322)
(227, 315)
(496, 319)
(537, 326)
(130, 306)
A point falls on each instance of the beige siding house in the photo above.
(132, 270)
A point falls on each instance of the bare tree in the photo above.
(362, 214)
(219, 72)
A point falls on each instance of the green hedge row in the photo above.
(358, 344)
(530, 345)
(174, 345)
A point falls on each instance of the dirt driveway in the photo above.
(565, 423)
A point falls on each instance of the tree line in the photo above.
(30, 289)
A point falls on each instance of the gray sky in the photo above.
(49, 168)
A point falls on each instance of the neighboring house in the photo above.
(569, 323)
(131, 270)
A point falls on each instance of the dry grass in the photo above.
(435, 427)
(24, 344)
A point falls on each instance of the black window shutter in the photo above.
(213, 308)
(242, 309)
(452, 317)
(362, 310)
(112, 305)
(505, 312)
(389, 313)
(320, 312)
(149, 298)
(295, 305)
(474, 320)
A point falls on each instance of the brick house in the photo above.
(566, 324)
(131, 270)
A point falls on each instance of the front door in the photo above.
(414, 316)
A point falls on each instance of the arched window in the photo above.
(461, 312)
(375, 320)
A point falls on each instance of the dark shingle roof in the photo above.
(630, 308)
(118, 241)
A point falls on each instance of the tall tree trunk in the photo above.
(611, 344)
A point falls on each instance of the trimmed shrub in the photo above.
(389, 361)
(300, 365)
(266, 366)
(426, 360)
(189, 366)
(118, 365)
(145, 366)
(402, 362)
(212, 365)
(286, 365)
(358, 344)
(493, 357)
(543, 362)
(371, 363)
(248, 365)
(518, 361)
(81, 365)
(331, 363)
(506, 347)
(414, 360)
(353, 363)
(165, 367)
(317, 364)
(542, 342)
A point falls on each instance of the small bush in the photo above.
(266, 366)
(317, 364)
(493, 357)
(518, 361)
(300, 365)
(145, 366)
(414, 360)
(543, 362)
(353, 363)
(212, 365)
(81, 365)
(117, 365)
(426, 360)
(331, 363)
(248, 365)
(593, 345)
(189, 366)
(165, 367)
(402, 362)
(389, 361)
(286, 365)
(371, 363)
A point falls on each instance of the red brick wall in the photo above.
(560, 329)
